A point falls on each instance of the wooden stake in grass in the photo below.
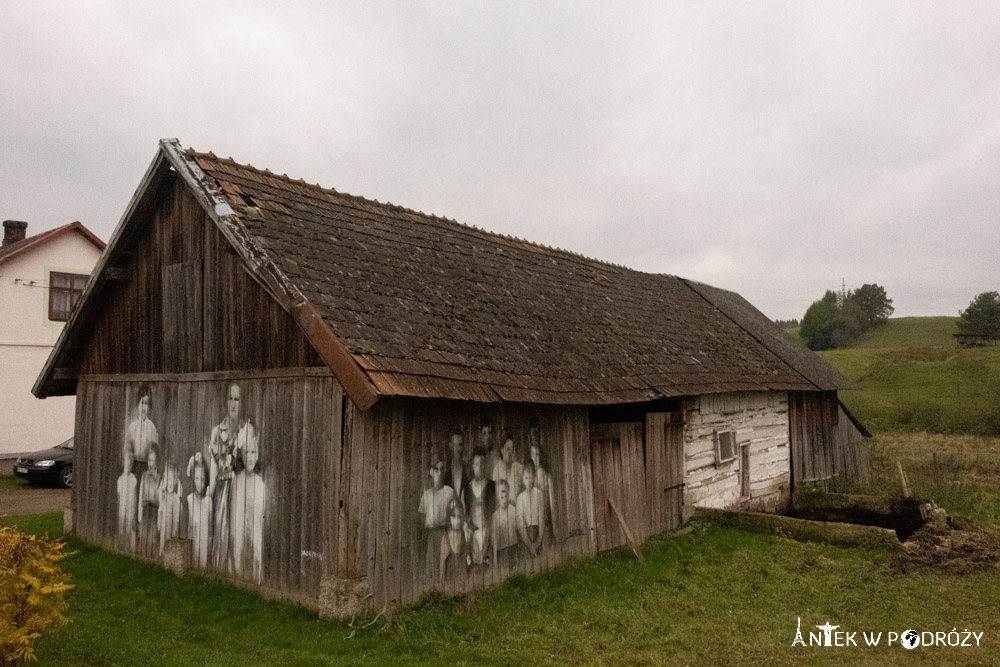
(625, 529)
(902, 478)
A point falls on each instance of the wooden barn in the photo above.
(349, 404)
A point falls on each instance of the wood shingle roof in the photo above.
(430, 307)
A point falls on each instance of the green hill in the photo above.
(912, 375)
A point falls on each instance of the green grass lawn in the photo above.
(712, 596)
(13, 483)
(912, 375)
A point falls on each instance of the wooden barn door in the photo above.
(616, 452)
(664, 469)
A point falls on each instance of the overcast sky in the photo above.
(773, 149)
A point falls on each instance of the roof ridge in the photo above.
(430, 216)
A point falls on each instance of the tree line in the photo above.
(838, 320)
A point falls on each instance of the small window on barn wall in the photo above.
(725, 447)
(65, 290)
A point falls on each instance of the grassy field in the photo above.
(912, 376)
(711, 596)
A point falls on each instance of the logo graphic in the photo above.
(910, 639)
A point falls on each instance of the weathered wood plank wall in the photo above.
(760, 420)
(273, 526)
(188, 305)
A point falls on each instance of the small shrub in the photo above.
(32, 592)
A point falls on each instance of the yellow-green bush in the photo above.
(32, 592)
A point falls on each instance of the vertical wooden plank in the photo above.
(398, 502)
(295, 485)
(331, 480)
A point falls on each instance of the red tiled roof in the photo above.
(14, 249)
(430, 307)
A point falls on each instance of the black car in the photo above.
(52, 466)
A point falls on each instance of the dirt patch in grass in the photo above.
(951, 552)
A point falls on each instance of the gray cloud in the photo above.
(770, 148)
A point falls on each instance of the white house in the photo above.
(41, 278)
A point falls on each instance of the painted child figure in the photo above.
(127, 500)
(199, 508)
(169, 518)
(479, 535)
(248, 508)
(503, 526)
(455, 557)
(148, 507)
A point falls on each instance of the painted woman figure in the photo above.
(507, 468)
(169, 516)
(147, 514)
(128, 489)
(543, 480)
(222, 470)
(456, 473)
(199, 511)
(478, 489)
(141, 433)
(529, 512)
(455, 557)
(248, 508)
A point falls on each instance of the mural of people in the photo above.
(149, 504)
(529, 512)
(455, 557)
(507, 468)
(128, 489)
(222, 468)
(248, 507)
(199, 511)
(169, 516)
(222, 506)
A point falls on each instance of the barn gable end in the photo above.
(182, 302)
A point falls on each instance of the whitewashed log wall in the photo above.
(760, 420)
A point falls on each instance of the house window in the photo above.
(725, 447)
(64, 291)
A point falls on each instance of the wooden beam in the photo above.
(625, 529)
(211, 376)
(336, 356)
(116, 273)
